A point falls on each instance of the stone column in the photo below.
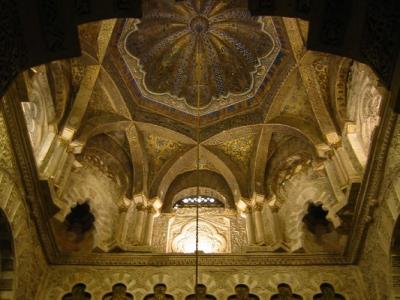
(258, 222)
(122, 226)
(277, 229)
(249, 226)
(148, 234)
(140, 214)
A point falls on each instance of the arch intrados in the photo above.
(189, 180)
(181, 166)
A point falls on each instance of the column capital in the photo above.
(141, 207)
(258, 206)
(151, 210)
(248, 210)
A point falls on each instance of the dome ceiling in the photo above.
(191, 57)
(180, 58)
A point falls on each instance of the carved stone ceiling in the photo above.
(266, 106)
(198, 57)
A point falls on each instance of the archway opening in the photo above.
(7, 259)
(395, 259)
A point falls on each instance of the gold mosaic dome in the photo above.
(203, 50)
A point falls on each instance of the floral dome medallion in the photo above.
(199, 51)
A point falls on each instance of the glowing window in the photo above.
(204, 201)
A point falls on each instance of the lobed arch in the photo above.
(340, 286)
(62, 289)
(242, 278)
(317, 192)
(102, 206)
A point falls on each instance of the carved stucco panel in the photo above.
(365, 98)
(160, 234)
(228, 223)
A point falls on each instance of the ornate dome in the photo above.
(186, 49)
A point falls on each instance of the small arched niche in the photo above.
(242, 291)
(159, 292)
(78, 292)
(119, 292)
(7, 259)
(285, 292)
(328, 293)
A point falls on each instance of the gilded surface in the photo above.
(160, 150)
(240, 150)
(202, 39)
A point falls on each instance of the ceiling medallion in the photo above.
(208, 51)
